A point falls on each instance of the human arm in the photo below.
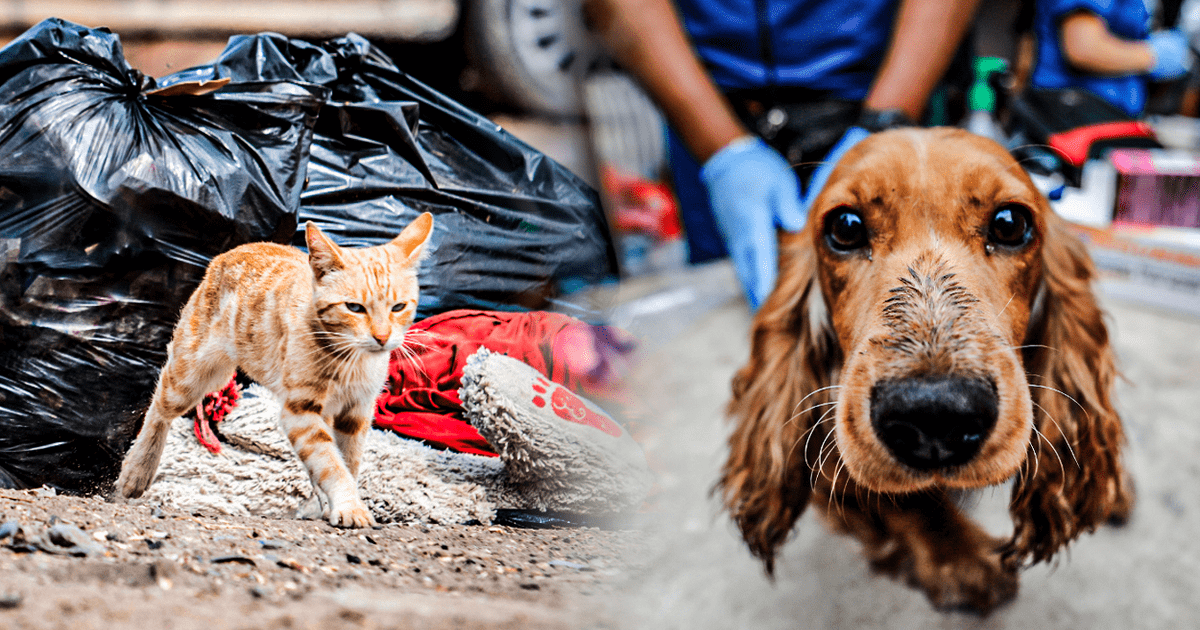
(924, 39)
(1089, 46)
(647, 38)
(751, 187)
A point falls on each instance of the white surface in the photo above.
(1093, 202)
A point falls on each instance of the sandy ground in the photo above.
(78, 563)
(1145, 575)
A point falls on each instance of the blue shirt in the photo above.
(1126, 19)
(829, 45)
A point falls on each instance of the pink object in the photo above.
(1157, 187)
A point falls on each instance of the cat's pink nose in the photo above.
(381, 338)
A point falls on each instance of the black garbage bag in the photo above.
(113, 198)
(514, 229)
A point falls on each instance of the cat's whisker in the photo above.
(412, 359)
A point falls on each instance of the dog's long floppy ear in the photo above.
(766, 481)
(1075, 481)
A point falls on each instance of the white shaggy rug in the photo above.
(549, 459)
(256, 473)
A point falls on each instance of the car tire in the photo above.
(531, 54)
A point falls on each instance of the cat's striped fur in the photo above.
(316, 330)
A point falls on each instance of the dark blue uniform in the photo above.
(831, 48)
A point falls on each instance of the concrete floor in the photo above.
(1144, 575)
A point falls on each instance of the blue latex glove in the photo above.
(753, 191)
(853, 136)
(1172, 58)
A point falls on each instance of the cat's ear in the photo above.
(413, 238)
(323, 254)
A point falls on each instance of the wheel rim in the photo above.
(554, 47)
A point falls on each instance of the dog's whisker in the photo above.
(842, 507)
(1036, 458)
(1010, 299)
(824, 417)
(1033, 345)
(819, 469)
(802, 438)
(1052, 450)
(822, 456)
(812, 408)
(816, 391)
(1066, 439)
(1067, 396)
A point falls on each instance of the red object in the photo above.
(421, 399)
(641, 205)
(1075, 143)
(212, 410)
(568, 407)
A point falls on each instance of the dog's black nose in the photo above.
(933, 422)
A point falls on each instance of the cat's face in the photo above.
(366, 298)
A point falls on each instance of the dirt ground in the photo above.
(79, 563)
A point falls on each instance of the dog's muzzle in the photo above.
(936, 422)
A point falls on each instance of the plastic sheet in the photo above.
(513, 228)
(112, 201)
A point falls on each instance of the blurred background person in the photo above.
(754, 88)
(1105, 47)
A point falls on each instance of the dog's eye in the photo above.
(1011, 226)
(845, 230)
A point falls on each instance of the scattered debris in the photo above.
(233, 558)
(9, 600)
(91, 568)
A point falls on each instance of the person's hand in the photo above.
(753, 191)
(1172, 57)
(853, 136)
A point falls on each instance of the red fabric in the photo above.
(421, 399)
(213, 409)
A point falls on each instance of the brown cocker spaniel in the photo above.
(933, 330)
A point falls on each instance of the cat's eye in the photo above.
(399, 307)
(1011, 226)
(354, 307)
(845, 230)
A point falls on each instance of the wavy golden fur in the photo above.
(317, 330)
(933, 330)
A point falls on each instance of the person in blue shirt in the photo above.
(720, 68)
(1105, 47)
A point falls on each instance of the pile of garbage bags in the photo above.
(116, 190)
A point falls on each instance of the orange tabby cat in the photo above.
(316, 330)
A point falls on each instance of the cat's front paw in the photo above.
(131, 484)
(135, 478)
(351, 514)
